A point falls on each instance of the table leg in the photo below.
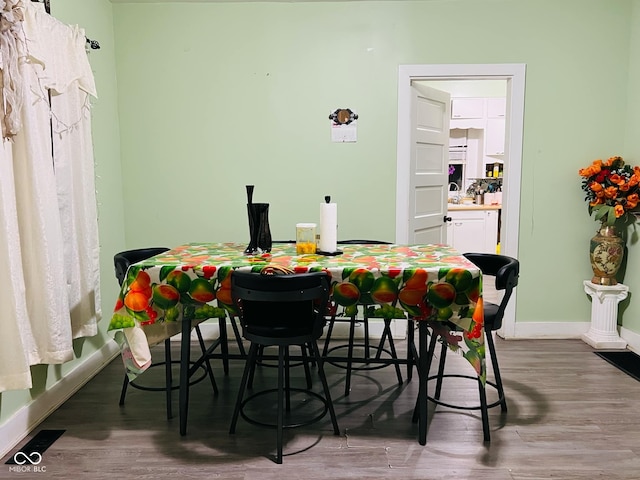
(185, 354)
(410, 359)
(423, 374)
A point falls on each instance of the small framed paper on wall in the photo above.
(344, 125)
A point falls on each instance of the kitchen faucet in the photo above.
(455, 198)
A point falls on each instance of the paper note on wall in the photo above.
(344, 133)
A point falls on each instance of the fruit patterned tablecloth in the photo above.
(431, 283)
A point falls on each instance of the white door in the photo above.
(428, 164)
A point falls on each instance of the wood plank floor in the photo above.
(571, 416)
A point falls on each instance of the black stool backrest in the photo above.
(123, 260)
(505, 269)
(297, 302)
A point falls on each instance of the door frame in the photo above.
(514, 74)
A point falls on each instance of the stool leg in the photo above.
(243, 384)
(206, 361)
(287, 380)
(327, 338)
(347, 385)
(168, 376)
(484, 411)
(305, 363)
(410, 357)
(325, 387)
(280, 424)
(383, 339)
(310, 357)
(123, 392)
(496, 371)
(224, 346)
(365, 323)
(443, 357)
(259, 354)
(392, 347)
(236, 332)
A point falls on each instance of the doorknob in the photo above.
(446, 219)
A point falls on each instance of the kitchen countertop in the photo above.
(473, 206)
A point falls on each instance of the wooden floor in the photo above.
(571, 416)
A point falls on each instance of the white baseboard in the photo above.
(548, 330)
(564, 330)
(632, 338)
(25, 420)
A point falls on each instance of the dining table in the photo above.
(430, 285)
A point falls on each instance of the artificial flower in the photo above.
(612, 189)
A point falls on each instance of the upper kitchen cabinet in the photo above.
(468, 113)
(495, 127)
(494, 137)
(481, 122)
(467, 108)
(496, 107)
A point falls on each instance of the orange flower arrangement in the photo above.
(612, 189)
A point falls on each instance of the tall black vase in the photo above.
(258, 228)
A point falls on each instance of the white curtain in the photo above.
(48, 216)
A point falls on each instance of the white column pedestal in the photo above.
(604, 315)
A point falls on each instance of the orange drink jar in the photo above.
(305, 238)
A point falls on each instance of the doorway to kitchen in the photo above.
(514, 76)
(477, 126)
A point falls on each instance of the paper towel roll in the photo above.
(328, 227)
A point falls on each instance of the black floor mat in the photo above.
(626, 361)
(38, 444)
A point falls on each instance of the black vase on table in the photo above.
(258, 225)
(258, 228)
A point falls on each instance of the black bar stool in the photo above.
(122, 261)
(281, 310)
(506, 271)
(379, 349)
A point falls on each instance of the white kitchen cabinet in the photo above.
(494, 137)
(495, 127)
(473, 230)
(496, 107)
(467, 107)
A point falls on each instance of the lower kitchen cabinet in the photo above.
(473, 230)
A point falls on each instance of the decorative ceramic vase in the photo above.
(606, 253)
